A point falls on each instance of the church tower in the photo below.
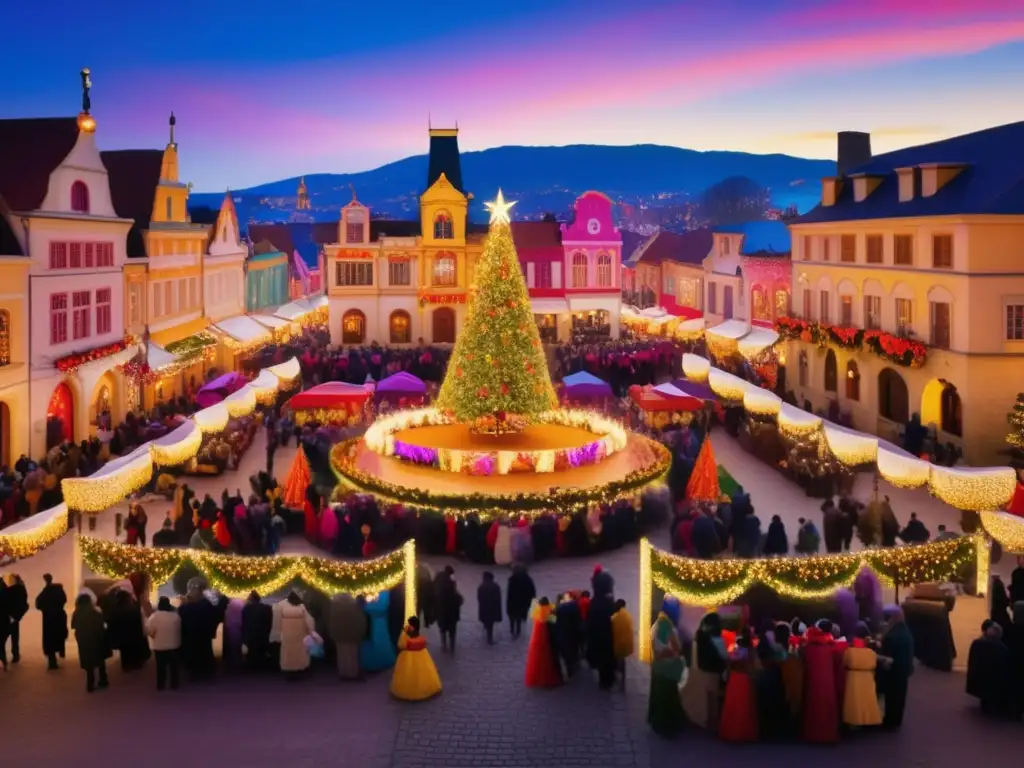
(302, 202)
(171, 204)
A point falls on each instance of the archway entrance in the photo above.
(941, 406)
(60, 416)
(103, 405)
(444, 325)
(353, 327)
(831, 372)
(893, 400)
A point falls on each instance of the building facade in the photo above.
(917, 252)
(266, 278)
(59, 208)
(14, 348)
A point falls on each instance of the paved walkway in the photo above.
(485, 717)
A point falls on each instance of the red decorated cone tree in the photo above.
(498, 366)
(297, 481)
(703, 484)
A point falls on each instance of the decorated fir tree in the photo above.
(498, 366)
(1015, 419)
(297, 481)
(703, 484)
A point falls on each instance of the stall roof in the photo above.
(271, 322)
(158, 358)
(329, 395)
(402, 382)
(730, 329)
(243, 329)
(757, 340)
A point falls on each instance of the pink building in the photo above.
(573, 270)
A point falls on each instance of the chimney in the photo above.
(854, 150)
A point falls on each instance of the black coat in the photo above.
(776, 542)
(199, 619)
(488, 598)
(448, 601)
(165, 537)
(569, 631)
(17, 601)
(50, 602)
(706, 542)
(520, 594)
(988, 675)
(600, 648)
(257, 621)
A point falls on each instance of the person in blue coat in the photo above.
(377, 651)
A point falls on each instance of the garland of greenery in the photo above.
(566, 501)
(238, 575)
(714, 582)
(191, 345)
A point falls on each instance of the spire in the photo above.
(353, 188)
(302, 201)
(169, 165)
(172, 122)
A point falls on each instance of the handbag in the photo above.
(314, 645)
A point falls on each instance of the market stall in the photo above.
(401, 390)
(659, 410)
(218, 389)
(585, 389)
(335, 402)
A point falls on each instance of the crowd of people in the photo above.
(995, 664)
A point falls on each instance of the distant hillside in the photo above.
(643, 179)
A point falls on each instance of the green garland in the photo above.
(713, 582)
(192, 345)
(491, 506)
(238, 575)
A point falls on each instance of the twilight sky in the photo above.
(265, 89)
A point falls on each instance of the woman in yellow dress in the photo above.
(860, 701)
(415, 677)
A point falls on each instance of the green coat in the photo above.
(91, 635)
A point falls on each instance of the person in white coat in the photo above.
(296, 625)
(164, 630)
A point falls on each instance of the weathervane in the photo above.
(86, 86)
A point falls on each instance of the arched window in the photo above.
(400, 327)
(443, 229)
(831, 372)
(781, 303)
(444, 269)
(852, 381)
(893, 400)
(802, 364)
(952, 411)
(759, 303)
(79, 197)
(5, 337)
(579, 270)
(169, 205)
(604, 270)
(353, 327)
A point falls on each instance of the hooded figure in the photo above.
(988, 671)
(347, 627)
(257, 621)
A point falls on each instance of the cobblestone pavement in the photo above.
(485, 717)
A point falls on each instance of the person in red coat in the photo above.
(542, 668)
(451, 544)
(311, 512)
(821, 699)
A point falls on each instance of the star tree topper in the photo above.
(499, 210)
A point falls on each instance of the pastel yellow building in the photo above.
(14, 367)
(919, 251)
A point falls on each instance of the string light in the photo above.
(26, 538)
(695, 367)
(715, 582)
(900, 468)
(177, 446)
(851, 448)
(761, 402)
(726, 386)
(796, 422)
(241, 403)
(213, 419)
(983, 565)
(112, 483)
(287, 372)
(497, 506)
(409, 555)
(644, 605)
(973, 489)
(1005, 528)
(238, 575)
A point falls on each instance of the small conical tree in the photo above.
(1015, 419)
(703, 484)
(297, 481)
(498, 364)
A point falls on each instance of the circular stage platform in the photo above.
(624, 474)
(459, 437)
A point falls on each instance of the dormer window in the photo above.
(830, 188)
(907, 183)
(169, 206)
(934, 176)
(355, 226)
(79, 197)
(443, 229)
(863, 185)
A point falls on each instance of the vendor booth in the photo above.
(401, 390)
(335, 402)
(659, 410)
(585, 389)
(218, 389)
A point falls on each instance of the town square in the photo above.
(608, 454)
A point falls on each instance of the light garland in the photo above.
(695, 367)
(973, 489)
(238, 575)
(265, 386)
(26, 537)
(556, 501)
(726, 386)
(112, 483)
(644, 604)
(212, 419)
(711, 583)
(796, 422)
(409, 557)
(177, 446)
(761, 402)
(850, 447)
(241, 403)
(900, 468)
(1005, 528)
(287, 372)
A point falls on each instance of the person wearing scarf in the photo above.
(664, 706)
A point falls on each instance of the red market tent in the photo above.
(650, 400)
(333, 394)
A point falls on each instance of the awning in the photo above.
(730, 329)
(549, 306)
(179, 332)
(293, 310)
(329, 395)
(758, 340)
(273, 323)
(158, 358)
(314, 302)
(242, 329)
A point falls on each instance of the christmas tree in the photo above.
(1015, 419)
(703, 484)
(498, 366)
(297, 481)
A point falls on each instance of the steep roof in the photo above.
(687, 248)
(991, 183)
(134, 176)
(761, 238)
(30, 150)
(630, 242)
(536, 234)
(444, 158)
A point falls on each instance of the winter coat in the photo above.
(164, 630)
(521, 593)
(296, 625)
(50, 603)
(91, 636)
(348, 622)
(488, 597)
(257, 619)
